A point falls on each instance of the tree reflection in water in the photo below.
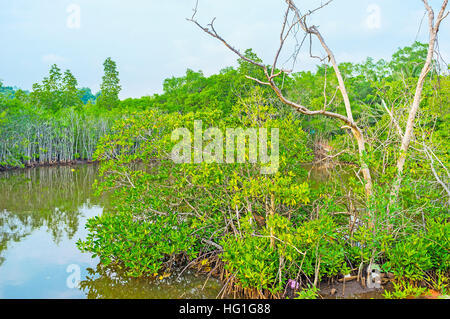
(109, 283)
(48, 197)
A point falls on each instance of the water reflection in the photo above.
(50, 197)
(42, 215)
(109, 284)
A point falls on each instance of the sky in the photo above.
(151, 40)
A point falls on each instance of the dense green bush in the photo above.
(304, 250)
(413, 255)
(438, 235)
(253, 262)
(409, 258)
(31, 135)
(139, 246)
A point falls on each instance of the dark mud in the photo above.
(351, 290)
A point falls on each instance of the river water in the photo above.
(42, 215)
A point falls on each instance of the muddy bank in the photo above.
(47, 164)
(351, 290)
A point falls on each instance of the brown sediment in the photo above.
(351, 290)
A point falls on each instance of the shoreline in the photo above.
(47, 164)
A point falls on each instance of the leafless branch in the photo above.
(409, 130)
(300, 20)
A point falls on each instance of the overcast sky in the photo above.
(151, 40)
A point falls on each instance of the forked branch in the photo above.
(406, 140)
(286, 30)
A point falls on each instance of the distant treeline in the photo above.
(59, 122)
(56, 122)
(29, 138)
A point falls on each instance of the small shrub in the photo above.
(308, 293)
(409, 258)
(138, 246)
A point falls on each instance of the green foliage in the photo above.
(309, 247)
(441, 281)
(409, 61)
(205, 192)
(403, 290)
(110, 87)
(308, 293)
(321, 242)
(48, 94)
(253, 262)
(409, 258)
(70, 93)
(412, 256)
(140, 246)
(57, 91)
(30, 135)
(438, 236)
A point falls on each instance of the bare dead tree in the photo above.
(406, 140)
(271, 73)
(429, 154)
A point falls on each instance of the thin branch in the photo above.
(436, 176)
(399, 129)
(212, 32)
(301, 21)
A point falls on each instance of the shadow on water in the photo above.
(42, 215)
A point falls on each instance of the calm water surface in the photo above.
(42, 215)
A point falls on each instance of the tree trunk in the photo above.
(434, 29)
